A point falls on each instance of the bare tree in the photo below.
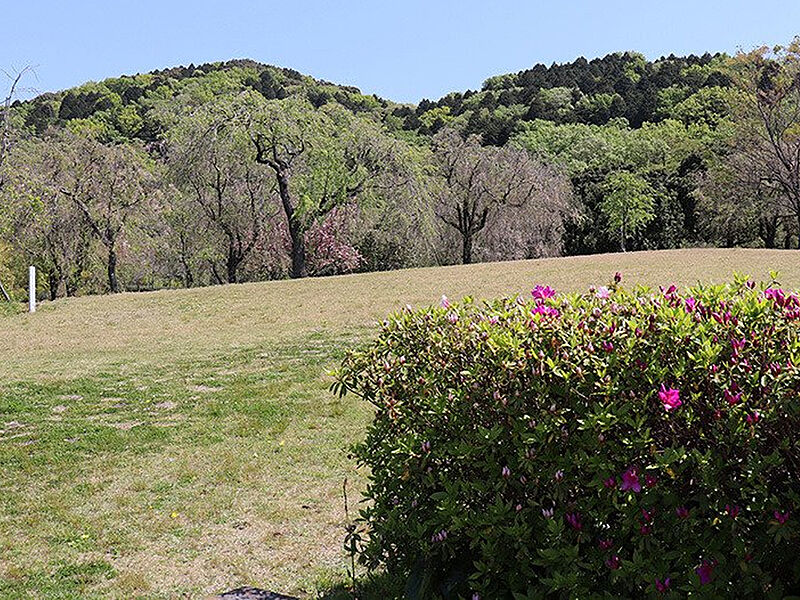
(765, 152)
(108, 183)
(44, 223)
(475, 183)
(5, 134)
(210, 160)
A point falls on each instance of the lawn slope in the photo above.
(178, 443)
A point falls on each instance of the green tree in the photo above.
(628, 204)
(320, 159)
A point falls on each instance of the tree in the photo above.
(766, 142)
(210, 160)
(108, 183)
(45, 226)
(320, 159)
(5, 137)
(628, 204)
(473, 183)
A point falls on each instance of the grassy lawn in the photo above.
(180, 443)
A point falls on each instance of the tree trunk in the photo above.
(113, 282)
(466, 247)
(296, 232)
(4, 292)
(232, 267)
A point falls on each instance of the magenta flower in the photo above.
(574, 519)
(646, 529)
(611, 482)
(670, 398)
(738, 346)
(662, 586)
(682, 512)
(753, 418)
(546, 311)
(691, 304)
(650, 480)
(647, 515)
(617, 277)
(630, 481)
(733, 397)
(608, 347)
(605, 544)
(781, 517)
(541, 293)
(733, 511)
(439, 537)
(613, 563)
(706, 571)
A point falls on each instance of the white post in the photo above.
(32, 289)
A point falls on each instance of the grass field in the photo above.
(179, 443)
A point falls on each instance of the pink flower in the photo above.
(574, 519)
(610, 483)
(630, 481)
(426, 447)
(682, 512)
(559, 475)
(781, 517)
(613, 563)
(602, 293)
(733, 398)
(541, 293)
(705, 571)
(547, 513)
(546, 311)
(452, 317)
(439, 537)
(506, 472)
(670, 398)
(605, 544)
(445, 302)
(662, 586)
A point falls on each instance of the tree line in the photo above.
(238, 171)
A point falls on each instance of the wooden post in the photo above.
(32, 289)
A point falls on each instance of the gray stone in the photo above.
(251, 593)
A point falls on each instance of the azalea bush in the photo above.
(611, 444)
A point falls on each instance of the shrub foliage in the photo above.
(612, 444)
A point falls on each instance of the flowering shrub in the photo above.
(612, 444)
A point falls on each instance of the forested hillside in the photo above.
(238, 171)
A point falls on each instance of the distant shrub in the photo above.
(612, 444)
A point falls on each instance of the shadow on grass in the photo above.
(378, 586)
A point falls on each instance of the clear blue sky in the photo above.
(403, 51)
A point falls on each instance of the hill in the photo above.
(184, 442)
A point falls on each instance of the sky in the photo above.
(402, 51)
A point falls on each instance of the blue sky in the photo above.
(401, 51)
